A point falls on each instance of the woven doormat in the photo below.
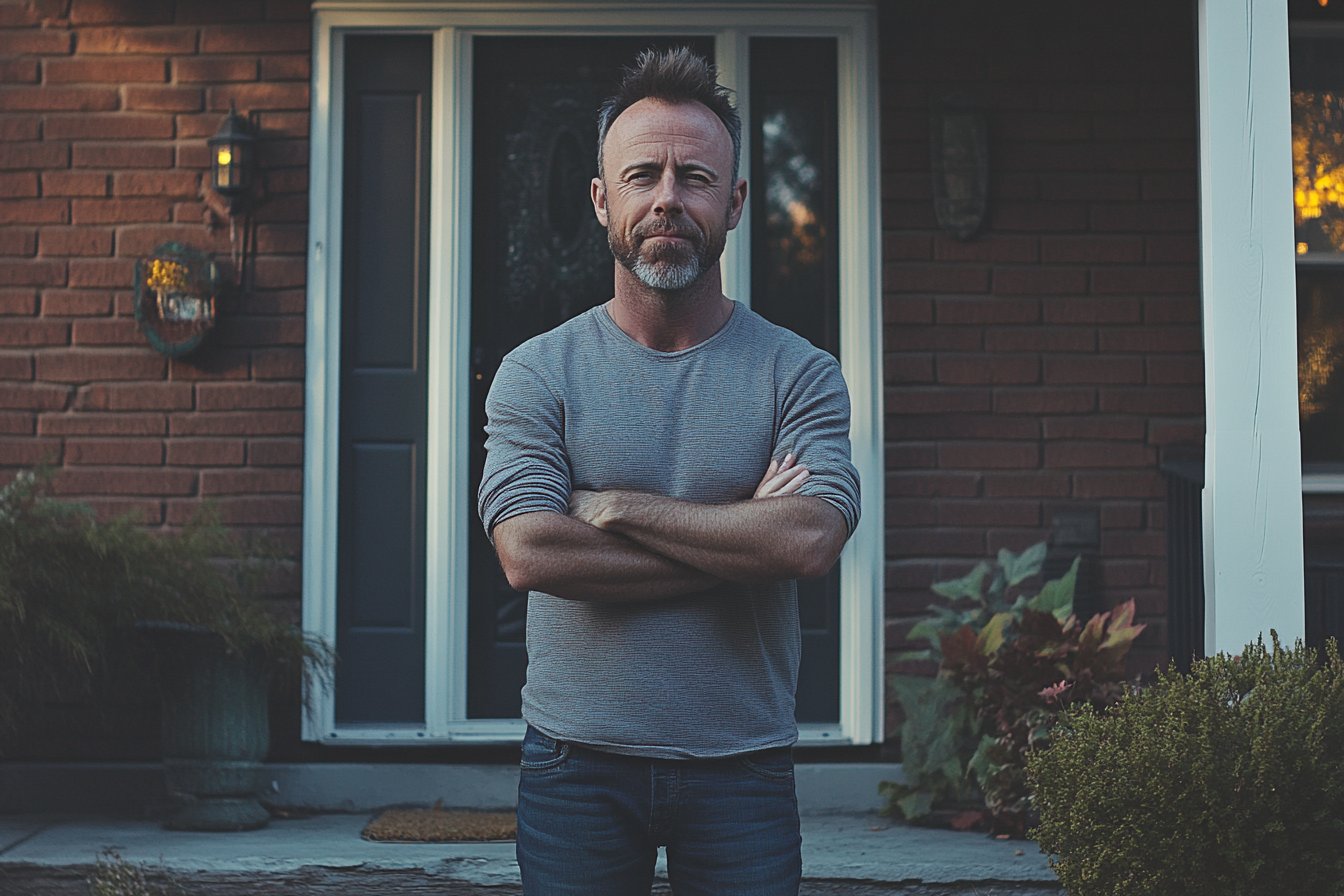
(439, 826)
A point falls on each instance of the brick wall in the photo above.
(104, 111)
(1042, 364)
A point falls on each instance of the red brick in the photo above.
(1166, 370)
(1171, 310)
(903, 185)
(280, 272)
(121, 41)
(988, 311)
(986, 455)
(279, 239)
(926, 543)
(1145, 280)
(138, 240)
(1091, 249)
(967, 426)
(253, 97)
(1122, 428)
(115, 452)
(1171, 186)
(33, 397)
(75, 183)
(1028, 484)
(34, 155)
(1146, 217)
(987, 248)
(285, 68)
(190, 71)
(16, 366)
(209, 12)
(91, 365)
(1039, 281)
(257, 331)
(100, 272)
(18, 242)
(43, 41)
(156, 183)
(910, 455)
(989, 513)
(1099, 455)
(278, 364)
(988, 370)
(1122, 515)
(906, 246)
(1151, 339)
(34, 211)
(205, 452)
(1039, 217)
(35, 333)
(119, 211)
(164, 99)
(933, 278)
(1040, 339)
(17, 302)
(1166, 402)
(1175, 432)
(76, 241)
(114, 70)
(907, 310)
(210, 363)
(1173, 250)
(287, 180)
(121, 12)
(119, 126)
(135, 397)
(1143, 544)
(1068, 369)
(936, 401)
(122, 155)
(1123, 573)
(96, 424)
(125, 482)
(107, 331)
(905, 513)
(237, 396)
(288, 10)
(942, 338)
(284, 124)
(238, 423)
(29, 452)
(275, 510)
(270, 38)
(1042, 125)
(142, 511)
(32, 273)
(1092, 311)
(75, 303)
(18, 71)
(1090, 186)
(930, 484)
(251, 482)
(20, 127)
(18, 184)
(275, 452)
(907, 368)
(1044, 400)
(1119, 484)
(288, 208)
(58, 99)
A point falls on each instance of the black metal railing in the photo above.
(1184, 469)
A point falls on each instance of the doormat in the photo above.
(439, 826)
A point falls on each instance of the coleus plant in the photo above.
(1008, 662)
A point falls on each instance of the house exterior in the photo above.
(1128, 288)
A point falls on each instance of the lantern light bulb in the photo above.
(225, 157)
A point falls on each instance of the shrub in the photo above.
(1226, 781)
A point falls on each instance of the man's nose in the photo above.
(667, 199)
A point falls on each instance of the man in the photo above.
(659, 470)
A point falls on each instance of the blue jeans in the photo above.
(590, 823)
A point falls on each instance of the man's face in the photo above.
(666, 194)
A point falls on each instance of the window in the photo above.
(451, 650)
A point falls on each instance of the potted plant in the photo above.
(74, 591)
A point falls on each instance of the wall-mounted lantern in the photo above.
(175, 290)
(959, 153)
(232, 160)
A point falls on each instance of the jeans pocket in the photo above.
(541, 752)
(775, 765)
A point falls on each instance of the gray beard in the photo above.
(666, 275)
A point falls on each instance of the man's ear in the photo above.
(739, 202)
(599, 196)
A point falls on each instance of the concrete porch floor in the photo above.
(851, 853)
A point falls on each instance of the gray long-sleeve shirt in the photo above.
(587, 407)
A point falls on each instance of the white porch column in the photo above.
(1253, 468)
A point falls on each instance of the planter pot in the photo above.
(215, 728)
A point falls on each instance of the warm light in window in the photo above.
(1301, 248)
(225, 157)
(1323, 2)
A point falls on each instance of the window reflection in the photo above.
(1318, 170)
(1320, 366)
(793, 184)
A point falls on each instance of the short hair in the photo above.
(672, 76)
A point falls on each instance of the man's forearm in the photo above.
(560, 556)
(767, 540)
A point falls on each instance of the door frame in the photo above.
(453, 25)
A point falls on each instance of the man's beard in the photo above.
(667, 266)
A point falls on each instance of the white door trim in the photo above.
(453, 26)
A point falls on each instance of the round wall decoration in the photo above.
(175, 292)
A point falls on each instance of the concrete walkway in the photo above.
(856, 853)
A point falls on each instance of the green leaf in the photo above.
(927, 629)
(966, 586)
(981, 765)
(1018, 569)
(991, 636)
(917, 804)
(914, 655)
(1056, 597)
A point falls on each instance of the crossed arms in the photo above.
(631, 546)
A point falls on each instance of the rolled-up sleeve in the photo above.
(526, 466)
(815, 427)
